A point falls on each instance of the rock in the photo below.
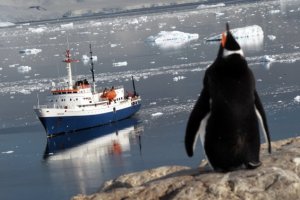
(277, 178)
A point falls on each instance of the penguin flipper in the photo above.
(198, 114)
(262, 120)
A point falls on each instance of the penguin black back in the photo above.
(228, 111)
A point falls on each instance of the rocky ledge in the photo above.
(277, 178)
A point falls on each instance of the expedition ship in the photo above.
(79, 106)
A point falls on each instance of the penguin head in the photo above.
(229, 45)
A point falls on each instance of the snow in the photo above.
(30, 51)
(297, 99)
(120, 64)
(172, 39)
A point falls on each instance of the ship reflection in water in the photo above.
(100, 141)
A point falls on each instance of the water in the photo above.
(169, 81)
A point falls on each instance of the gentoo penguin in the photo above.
(228, 112)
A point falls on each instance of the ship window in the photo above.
(70, 99)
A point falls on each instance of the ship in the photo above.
(78, 105)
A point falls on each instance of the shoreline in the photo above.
(277, 178)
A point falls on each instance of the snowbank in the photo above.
(171, 39)
(30, 51)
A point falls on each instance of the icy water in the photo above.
(169, 80)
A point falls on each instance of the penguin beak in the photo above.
(223, 40)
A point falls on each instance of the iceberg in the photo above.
(249, 36)
(172, 39)
(30, 51)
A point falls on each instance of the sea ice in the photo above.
(249, 36)
(7, 152)
(177, 78)
(171, 39)
(157, 114)
(38, 30)
(24, 69)
(211, 6)
(6, 24)
(30, 51)
(67, 26)
(120, 64)
(86, 59)
(240, 33)
(271, 37)
(297, 99)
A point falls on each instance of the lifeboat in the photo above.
(110, 95)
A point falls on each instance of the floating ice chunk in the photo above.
(38, 30)
(171, 39)
(219, 14)
(274, 11)
(7, 152)
(52, 38)
(211, 6)
(177, 78)
(24, 69)
(113, 45)
(13, 65)
(297, 99)
(156, 114)
(271, 37)
(249, 36)
(30, 51)
(86, 59)
(120, 64)
(267, 58)
(6, 24)
(67, 26)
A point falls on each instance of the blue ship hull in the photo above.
(59, 125)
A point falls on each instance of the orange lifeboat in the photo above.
(110, 95)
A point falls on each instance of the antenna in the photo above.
(133, 85)
(92, 68)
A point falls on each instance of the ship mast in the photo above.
(92, 69)
(68, 60)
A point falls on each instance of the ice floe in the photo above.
(24, 69)
(7, 152)
(297, 99)
(37, 30)
(172, 39)
(156, 114)
(211, 6)
(271, 37)
(30, 51)
(86, 59)
(120, 64)
(250, 36)
(67, 26)
(178, 78)
(6, 24)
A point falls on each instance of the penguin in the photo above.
(228, 114)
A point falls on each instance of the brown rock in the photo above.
(277, 178)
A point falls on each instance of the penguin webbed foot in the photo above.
(253, 164)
